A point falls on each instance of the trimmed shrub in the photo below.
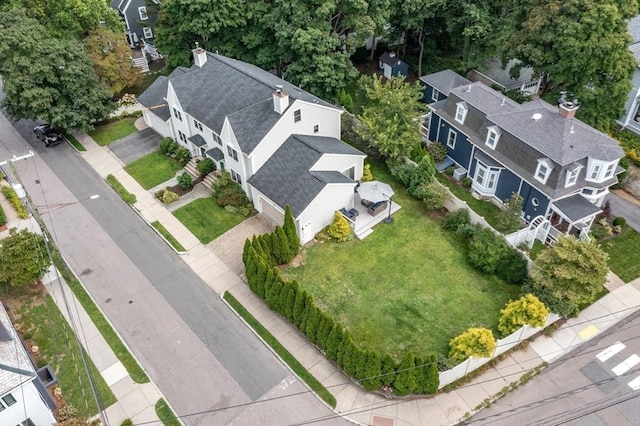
(449, 171)
(370, 376)
(527, 310)
(185, 180)
(388, 370)
(206, 166)
(169, 197)
(468, 230)
(183, 155)
(427, 379)
(475, 343)
(405, 382)
(486, 250)
(367, 176)
(619, 221)
(168, 146)
(437, 151)
(466, 182)
(433, 194)
(512, 267)
(15, 202)
(453, 220)
(340, 230)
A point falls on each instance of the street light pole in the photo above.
(389, 219)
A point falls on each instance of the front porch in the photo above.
(362, 224)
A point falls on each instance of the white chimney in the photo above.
(280, 100)
(199, 56)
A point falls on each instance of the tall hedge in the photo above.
(289, 228)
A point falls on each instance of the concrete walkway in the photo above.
(353, 403)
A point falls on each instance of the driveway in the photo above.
(135, 146)
(626, 208)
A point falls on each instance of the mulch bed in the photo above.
(184, 191)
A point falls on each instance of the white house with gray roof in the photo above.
(631, 118)
(23, 397)
(280, 143)
(561, 167)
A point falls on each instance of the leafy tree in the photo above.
(405, 382)
(527, 310)
(391, 119)
(572, 270)
(23, 258)
(46, 77)
(110, 55)
(582, 46)
(340, 230)
(509, 216)
(474, 342)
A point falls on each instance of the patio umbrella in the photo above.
(375, 191)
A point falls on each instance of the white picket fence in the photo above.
(502, 346)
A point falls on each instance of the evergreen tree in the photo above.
(388, 370)
(349, 357)
(245, 251)
(251, 269)
(405, 382)
(298, 308)
(341, 349)
(432, 375)
(255, 243)
(371, 378)
(261, 278)
(289, 228)
(324, 328)
(334, 341)
(287, 299)
(308, 308)
(311, 330)
(268, 283)
(283, 252)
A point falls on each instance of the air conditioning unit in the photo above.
(459, 174)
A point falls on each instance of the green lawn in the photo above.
(622, 251)
(484, 208)
(153, 169)
(206, 219)
(109, 132)
(406, 286)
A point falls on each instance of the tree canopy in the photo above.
(23, 258)
(47, 77)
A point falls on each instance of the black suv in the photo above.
(46, 134)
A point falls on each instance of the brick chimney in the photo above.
(280, 100)
(566, 108)
(199, 56)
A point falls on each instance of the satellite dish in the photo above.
(537, 116)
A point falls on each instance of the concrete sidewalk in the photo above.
(353, 403)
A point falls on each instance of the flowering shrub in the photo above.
(127, 100)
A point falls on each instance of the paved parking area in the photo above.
(135, 146)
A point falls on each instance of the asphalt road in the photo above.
(195, 349)
(628, 210)
(597, 384)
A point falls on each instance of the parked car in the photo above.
(47, 135)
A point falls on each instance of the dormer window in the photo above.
(610, 169)
(572, 175)
(461, 112)
(142, 11)
(493, 134)
(600, 171)
(435, 94)
(544, 170)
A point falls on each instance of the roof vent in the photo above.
(503, 102)
(571, 131)
(469, 88)
(278, 88)
(537, 116)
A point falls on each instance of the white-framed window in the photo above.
(350, 172)
(461, 111)
(493, 134)
(543, 170)
(217, 138)
(599, 171)
(177, 114)
(297, 115)
(595, 172)
(316, 128)
(486, 178)
(235, 176)
(142, 11)
(609, 171)
(146, 32)
(572, 177)
(197, 124)
(451, 139)
(9, 400)
(435, 94)
(182, 136)
(232, 152)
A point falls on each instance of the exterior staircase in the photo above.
(141, 63)
(209, 179)
(191, 167)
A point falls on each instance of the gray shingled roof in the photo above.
(484, 98)
(197, 140)
(386, 58)
(633, 26)
(14, 360)
(155, 94)
(562, 140)
(576, 207)
(444, 81)
(286, 177)
(216, 154)
(251, 124)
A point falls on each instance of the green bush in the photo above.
(509, 216)
(340, 230)
(601, 229)
(183, 155)
(367, 176)
(512, 267)
(3, 217)
(449, 170)
(453, 220)
(169, 197)
(527, 310)
(206, 166)
(485, 251)
(15, 202)
(437, 151)
(433, 194)
(619, 221)
(468, 230)
(474, 342)
(466, 182)
(168, 146)
(185, 180)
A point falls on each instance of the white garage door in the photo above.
(271, 212)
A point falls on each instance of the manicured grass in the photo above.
(407, 286)
(165, 414)
(75, 142)
(42, 325)
(153, 169)
(623, 254)
(206, 219)
(167, 236)
(282, 352)
(109, 132)
(483, 208)
(115, 343)
(121, 190)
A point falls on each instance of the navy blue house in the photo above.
(561, 167)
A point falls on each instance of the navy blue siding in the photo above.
(401, 68)
(528, 193)
(463, 148)
(434, 123)
(427, 92)
(508, 183)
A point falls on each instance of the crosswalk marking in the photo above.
(610, 351)
(626, 365)
(635, 383)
